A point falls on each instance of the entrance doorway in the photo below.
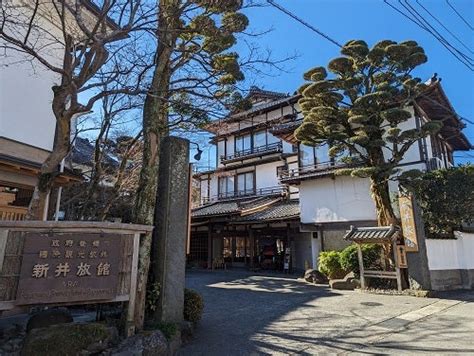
(236, 251)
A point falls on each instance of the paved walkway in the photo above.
(251, 314)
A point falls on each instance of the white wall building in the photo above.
(247, 217)
(331, 204)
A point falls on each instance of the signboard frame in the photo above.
(408, 222)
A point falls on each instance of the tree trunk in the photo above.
(381, 196)
(155, 125)
(50, 170)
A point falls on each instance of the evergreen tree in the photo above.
(360, 111)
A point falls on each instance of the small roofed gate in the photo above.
(394, 258)
(69, 263)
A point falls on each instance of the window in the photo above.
(245, 183)
(322, 153)
(314, 155)
(306, 155)
(226, 186)
(243, 143)
(260, 139)
(272, 139)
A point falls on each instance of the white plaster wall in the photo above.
(339, 199)
(451, 254)
(266, 175)
(25, 102)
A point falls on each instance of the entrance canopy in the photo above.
(378, 234)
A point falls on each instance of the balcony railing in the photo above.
(276, 190)
(275, 147)
(12, 213)
(311, 170)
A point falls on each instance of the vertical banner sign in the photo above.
(407, 217)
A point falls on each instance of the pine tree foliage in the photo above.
(360, 109)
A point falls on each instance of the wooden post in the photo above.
(361, 266)
(397, 266)
(252, 248)
(209, 247)
(130, 324)
(3, 246)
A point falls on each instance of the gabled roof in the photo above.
(255, 93)
(372, 234)
(437, 106)
(277, 100)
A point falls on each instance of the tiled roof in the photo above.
(83, 153)
(372, 234)
(256, 91)
(287, 127)
(235, 206)
(279, 211)
(264, 106)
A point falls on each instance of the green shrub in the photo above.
(350, 261)
(193, 305)
(446, 198)
(330, 264)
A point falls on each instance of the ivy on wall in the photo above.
(446, 197)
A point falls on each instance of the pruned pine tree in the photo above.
(86, 46)
(360, 110)
(194, 78)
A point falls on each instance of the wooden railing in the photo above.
(276, 190)
(12, 213)
(275, 147)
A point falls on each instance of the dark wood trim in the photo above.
(260, 160)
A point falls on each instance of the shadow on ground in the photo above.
(250, 314)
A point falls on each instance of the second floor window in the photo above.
(245, 183)
(260, 139)
(310, 156)
(243, 143)
(226, 186)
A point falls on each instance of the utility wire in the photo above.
(460, 16)
(442, 25)
(417, 22)
(434, 32)
(303, 22)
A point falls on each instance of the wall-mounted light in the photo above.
(198, 155)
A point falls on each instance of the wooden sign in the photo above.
(402, 256)
(407, 217)
(68, 267)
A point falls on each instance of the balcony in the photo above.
(276, 147)
(318, 170)
(268, 191)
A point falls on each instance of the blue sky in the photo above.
(370, 20)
